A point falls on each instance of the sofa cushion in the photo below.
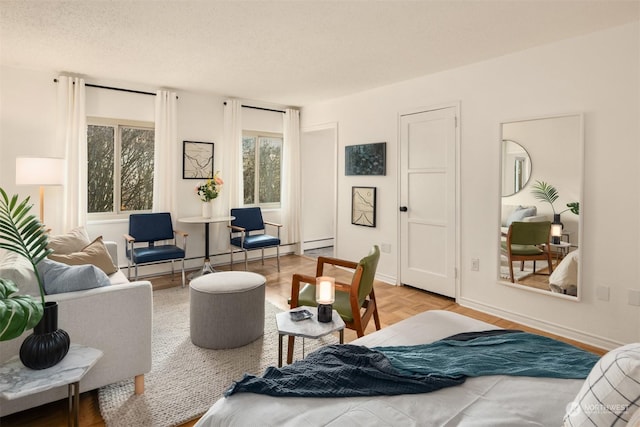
(94, 253)
(521, 213)
(73, 241)
(59, 277)
(19, 270)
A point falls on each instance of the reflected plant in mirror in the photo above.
(554, 145)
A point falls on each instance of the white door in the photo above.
(428, 200)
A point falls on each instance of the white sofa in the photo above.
(115, 319)
(512, 213)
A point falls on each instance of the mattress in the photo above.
(484, 401)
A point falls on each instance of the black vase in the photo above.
(48, 345)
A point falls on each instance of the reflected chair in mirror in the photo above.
(145, 232)
(248, 232)
(528, 241)
(355, 302)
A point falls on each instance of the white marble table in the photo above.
(206, 267)
(16, 380)
(308, 328)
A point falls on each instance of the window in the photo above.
(261, 168)
(120, 166)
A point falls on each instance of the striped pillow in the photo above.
(611, 392)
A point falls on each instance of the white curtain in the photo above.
(291, 203)
(72, 134)
(232, 163)
(166, 153)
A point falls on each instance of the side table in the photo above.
(206, 267)
(16, 380)
(308, 328)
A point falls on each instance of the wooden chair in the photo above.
(355, 301)
(528, 241)
(150, 228)
(246, 222)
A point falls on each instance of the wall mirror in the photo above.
(550, 191)
(516, 167)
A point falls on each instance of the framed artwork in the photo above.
(363, 206)
(197, 160)
(365, 159)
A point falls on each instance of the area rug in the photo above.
(185, 380)
(518, 275)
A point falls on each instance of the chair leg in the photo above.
(173, 271)
(129, 269)
(246, 261)
(231, 257)
(278, 257)
(136, 271)
(262, 256)
(511, 271)
(183, 273)
(290, 349)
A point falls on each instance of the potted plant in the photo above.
(547, 193)
(24, 235)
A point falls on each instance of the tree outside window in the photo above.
(120, 167)
(262, 169)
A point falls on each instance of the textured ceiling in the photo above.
(284, 52)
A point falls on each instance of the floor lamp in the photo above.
(40, 171)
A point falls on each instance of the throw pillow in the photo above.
(59, 278)
(520, 213)
(19, 270)
(95, 253)
(611, 392)
(71, 242)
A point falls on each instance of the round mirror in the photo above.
(516, 167)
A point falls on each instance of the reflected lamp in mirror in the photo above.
(325, 296)
(556, 233)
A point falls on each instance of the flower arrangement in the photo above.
(210, 189)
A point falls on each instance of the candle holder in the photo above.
(325, 296)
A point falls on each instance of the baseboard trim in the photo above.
(570, 333)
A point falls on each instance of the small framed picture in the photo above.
(197, 160)
(365, 159)
(363, 206)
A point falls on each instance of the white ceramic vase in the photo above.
(207, 209)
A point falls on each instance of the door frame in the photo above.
(457, 250)
(333, 127)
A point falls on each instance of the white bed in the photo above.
(483, 401)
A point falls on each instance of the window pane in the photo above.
(270, 157)
(100, 152)
(136, 180)
(249, 168)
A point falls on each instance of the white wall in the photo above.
(597, 74)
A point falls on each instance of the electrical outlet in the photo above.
(602, 293)
(386, 248)
(634, 297)
(475, 264)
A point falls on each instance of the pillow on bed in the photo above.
(564, 278)
(94, 253)
(71, 242)
(611, 392)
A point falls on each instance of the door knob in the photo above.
(403, 209)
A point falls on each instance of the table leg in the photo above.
(341, 336)
(279, 350)
(206, 267)
(74, 404)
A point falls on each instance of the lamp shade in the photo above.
(325, 290)
(39, 171)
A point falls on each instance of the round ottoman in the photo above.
(227, 309)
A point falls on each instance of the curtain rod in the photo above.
(117, 88)
(259, 108)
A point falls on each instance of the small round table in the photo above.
(206, 267)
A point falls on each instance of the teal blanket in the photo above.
(516, 353)
(349, 370)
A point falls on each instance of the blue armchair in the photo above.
(148, 229)
(247, 221)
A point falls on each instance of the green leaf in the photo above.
(18, 313)
(545, 192)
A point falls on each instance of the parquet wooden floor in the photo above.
(394, 304)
